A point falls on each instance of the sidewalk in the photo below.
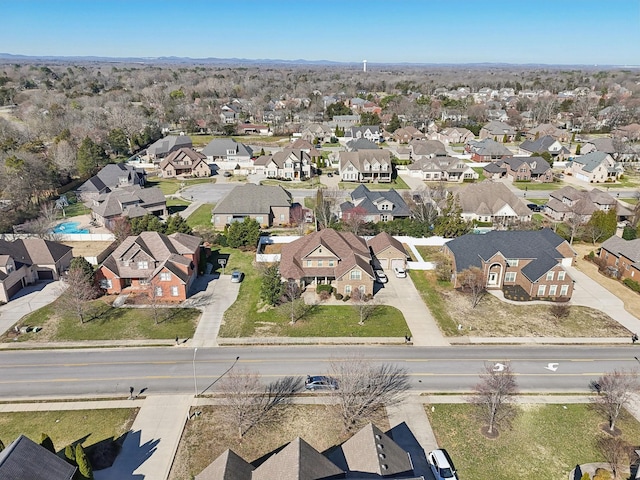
(150, 446)
(219, 295)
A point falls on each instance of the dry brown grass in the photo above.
(630, 299)
(87, 249)
(273, 248)
(206, 437)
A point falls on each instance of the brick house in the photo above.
(365, 166)
(341, 259)
(375, 206)
(498, 131)
(529, 265)
(185, 162)
(595, 167)
(167, 263)
(487, 150)
(622, 257)
(535, 169)
(294, 164)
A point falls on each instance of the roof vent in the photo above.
(380, 446)
(378, 437)
(385, 466)
(382, 456)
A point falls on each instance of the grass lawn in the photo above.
(208, 436)
(534, 186)
(67, 426)
(545, 441)
(479, 171)
(398, 183)
(246, 317)
(169, 186)
(494, 318)
(107, 323)
(288, 185)
(631, 201)
(201, 217)
(175, 205)
(537, 201)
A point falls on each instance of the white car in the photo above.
(400, 272)
(441, 465)
(381, 277)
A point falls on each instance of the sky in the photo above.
(567, 32)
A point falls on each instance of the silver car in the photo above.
(441, 465)
(237, 276)
(320, 382)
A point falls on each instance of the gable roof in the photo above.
(168, 144)
(382, 241)
(488, 198)
(368, 200)
(218, 147)
(499, 128)
(110, 175)
(297, 461)
(252, 199)
(537, 165)
(627, 248)
(26, 460)
(350, 249)
(370, 451)
(591, 161)
(362, 144)
(228, 466)
(358, 158)
(34, 251)
(540, 246)
(540, 145)
(129, 201)
(183, 155)
(489, 147)
(428, 147)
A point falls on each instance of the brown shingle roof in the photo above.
(228, 466)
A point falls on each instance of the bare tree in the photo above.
(298, 219)
(364, 305)
(616, 452)
(153, 293)
(78, 292)
(292, 293)
(365, 388)
(492, 395)
(42, 226)
(615, 390)
(472, 281)
(354, 219)
(560, 310)
(121, 228)
(249, 404)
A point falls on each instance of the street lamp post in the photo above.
(195, 378)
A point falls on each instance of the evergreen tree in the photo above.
(91, 156)
(450, 223)
(505, 139)
(394, 123)
(117, 140)
(147, 223)
(241, 234)
(272, 287)
(1, 446)
(82, 264)
(85, 472)
(47, 443)
(578, 148)
(175, 223)
(70, 454)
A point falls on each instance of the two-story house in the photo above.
(375, 206)
(166, 263)
(370, 132)
(491, 202)
(595, 167)
(487, 150)
(447, 169)
(185, 162)
(289, 164)
(535, 169)
(111, 176)
(544, 144)
(163, 147)
(129, 202)
(568, 203)
(526, 265)
(365, 166)
(498, 131)
(227, 151)
(622, 257)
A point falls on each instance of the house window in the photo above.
(158, 291)
(561, 276)
(143, 265)
(362, 289)
(512, 262)
(384, 218)
(309, 263)
(552, 290)
(165, 276)
(106, 283)
(355, 275)
(174, 291)
(564, 289)
(550, 276)
(282, 217)
(259, 219)
(320, 263)
(347, 289)
(144, 281)
(331, 263)
(10, 268)
(510, 277)
(541, 290)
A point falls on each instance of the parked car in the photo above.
(441, 465)
(320, 382)
(381, 277)
(534, 208)
(237, 276)
(399, 271)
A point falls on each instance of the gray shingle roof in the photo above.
(252, 199)
(26, 460)
(128, 201)
(540, 246)
(488, 198)
(489, 147)
(218, 147)
(368, 200)
(110, 176)
(627, 248)
(362, 144)
(169, 144)
(590, 161)
(34, 251)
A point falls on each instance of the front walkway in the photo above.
(214, 294)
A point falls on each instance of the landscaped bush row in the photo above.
(632, 284)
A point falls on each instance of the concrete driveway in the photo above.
(29, 299)
(589, 293)
(402, 294)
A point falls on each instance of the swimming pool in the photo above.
(69, 227)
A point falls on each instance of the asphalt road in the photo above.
(110, 372)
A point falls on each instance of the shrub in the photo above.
(324, 295)
(338, 296)
(346, 298)
(632, 284)
(324, 287)
(560, 310)
(602, 474)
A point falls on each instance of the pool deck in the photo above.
(84, 224)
